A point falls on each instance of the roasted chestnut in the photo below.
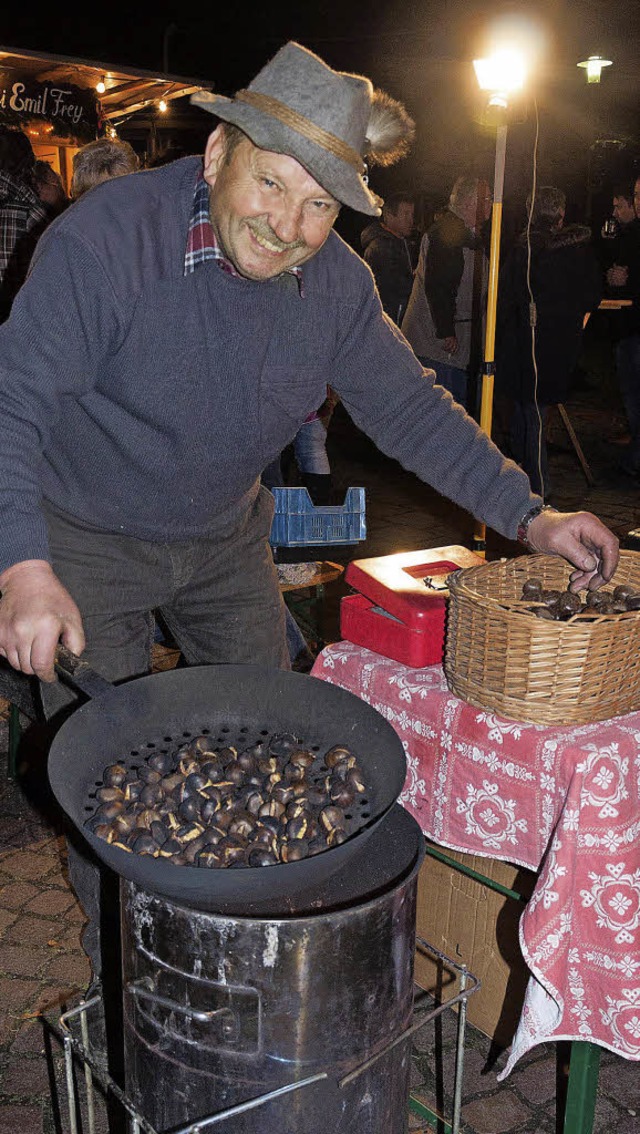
(217, 807)
(532, 589)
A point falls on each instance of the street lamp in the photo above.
(500, 76)
(593, 66)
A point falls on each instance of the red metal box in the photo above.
(400, 610)
(366, 624)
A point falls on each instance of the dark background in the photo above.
(419, 51)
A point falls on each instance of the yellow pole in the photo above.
(488, 370)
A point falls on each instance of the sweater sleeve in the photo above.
(395, 401)
(63, 319)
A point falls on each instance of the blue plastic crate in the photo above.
(297, 522)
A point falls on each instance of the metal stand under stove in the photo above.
(74, 1026)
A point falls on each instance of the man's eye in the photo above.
(268, 183)
(322, 206)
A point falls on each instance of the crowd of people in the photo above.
(551, 279)
(176, 330)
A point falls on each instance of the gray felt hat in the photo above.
(331, 122)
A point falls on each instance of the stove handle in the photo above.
(230, 1028)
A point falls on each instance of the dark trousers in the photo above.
(219, 597)
(628, 366)
(528, 444)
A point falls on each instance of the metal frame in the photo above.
(79, 1051)
(435, 1119)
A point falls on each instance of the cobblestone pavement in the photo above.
(42, 966)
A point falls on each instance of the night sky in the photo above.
(419, 51)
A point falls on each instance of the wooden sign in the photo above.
(71, 110)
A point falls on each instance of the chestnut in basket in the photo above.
(532, 589)
(554, 605)
(569, 603)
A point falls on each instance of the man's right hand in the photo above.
(450, 345)
(35, 613)
(618, 275)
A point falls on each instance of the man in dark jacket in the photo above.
(623, 282)
(443, 322)
(541, 314)
(387, 252)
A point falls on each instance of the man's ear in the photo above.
(214, 154)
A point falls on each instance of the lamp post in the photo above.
(500, 75)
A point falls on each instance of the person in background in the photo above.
(101, 161)
(50, 188)
(539, 332)
(388, 254)
(23, 216)
(444, 318)
(623, 282)
(622, 215)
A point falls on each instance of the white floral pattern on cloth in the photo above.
(489, 817)
(615, 897)
(605, 775)
(623, 1017)
(568, 798)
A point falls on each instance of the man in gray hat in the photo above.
(176, 329)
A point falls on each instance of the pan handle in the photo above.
(79, 674)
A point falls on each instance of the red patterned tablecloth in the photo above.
(565, 798)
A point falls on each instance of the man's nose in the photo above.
(286, 221)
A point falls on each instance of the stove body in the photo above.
(220, 1009)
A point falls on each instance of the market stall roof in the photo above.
(126, 90)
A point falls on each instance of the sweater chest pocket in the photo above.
(289, 392)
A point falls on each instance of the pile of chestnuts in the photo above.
(276, 801)
(560, 606)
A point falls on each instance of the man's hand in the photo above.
(581, 538)
(617, 276)
(450, 344)
(35, 613)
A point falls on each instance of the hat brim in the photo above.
(331, 172)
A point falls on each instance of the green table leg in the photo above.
(436, 1121)
(582, 1088)
(14, 741)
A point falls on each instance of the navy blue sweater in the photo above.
(144, 401)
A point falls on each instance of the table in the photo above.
(564, 802)
(305, 596)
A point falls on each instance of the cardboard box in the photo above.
(478, 927)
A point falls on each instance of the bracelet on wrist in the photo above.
(528, 518)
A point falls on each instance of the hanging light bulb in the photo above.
(593, 66)
(163, 106)
(101, 86)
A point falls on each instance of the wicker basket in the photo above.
(499, 656)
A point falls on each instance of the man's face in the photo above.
(402, 220)
(623, 210)
(484, 202)
(636, 197)
(268, 213)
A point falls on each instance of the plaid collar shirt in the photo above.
(201, 239)
(20, 211)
